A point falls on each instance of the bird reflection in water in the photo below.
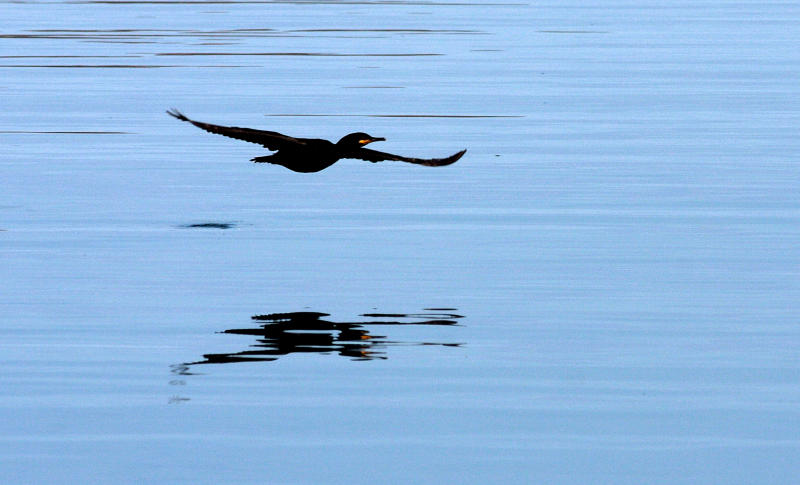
(281, 334)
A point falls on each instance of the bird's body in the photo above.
(312, 154)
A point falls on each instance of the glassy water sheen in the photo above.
(603, 290)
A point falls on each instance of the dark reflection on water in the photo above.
(279, 334)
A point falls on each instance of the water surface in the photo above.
(603, 290)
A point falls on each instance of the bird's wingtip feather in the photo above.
(458, 155)
(175, 113)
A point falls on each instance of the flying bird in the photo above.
(312, 154)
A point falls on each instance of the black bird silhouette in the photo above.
(312, 154)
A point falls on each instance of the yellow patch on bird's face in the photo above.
(364, 142)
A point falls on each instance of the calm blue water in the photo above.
(603, 290)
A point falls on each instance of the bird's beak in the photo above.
(370, 140)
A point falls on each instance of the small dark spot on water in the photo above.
(181, 370)
(210, 225)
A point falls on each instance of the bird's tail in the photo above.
(177, 114)
(266, 159)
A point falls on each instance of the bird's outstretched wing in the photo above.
(376, 156)
(270, 139)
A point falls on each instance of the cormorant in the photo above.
(312, 154)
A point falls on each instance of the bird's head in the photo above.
(356, 140)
